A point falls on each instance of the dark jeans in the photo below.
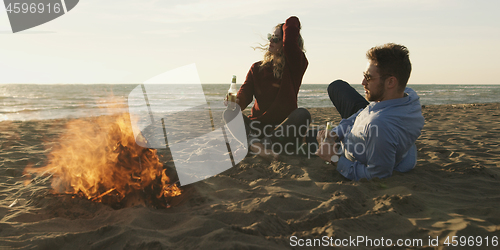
(292, 128)
(345, 98)
(347, 101)
(288, 133)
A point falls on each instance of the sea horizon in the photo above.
(21, 102)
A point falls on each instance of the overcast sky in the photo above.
(130, 41)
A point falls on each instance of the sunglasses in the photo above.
(369, 77)
(273, 38)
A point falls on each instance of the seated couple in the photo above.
(377, 133)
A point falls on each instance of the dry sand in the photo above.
(453, 191)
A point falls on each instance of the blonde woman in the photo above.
(275, 122)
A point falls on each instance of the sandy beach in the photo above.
(453, 191)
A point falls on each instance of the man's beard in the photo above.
(377, 95)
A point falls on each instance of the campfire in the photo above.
(99, 160)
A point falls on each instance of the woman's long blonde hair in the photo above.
(276, 60)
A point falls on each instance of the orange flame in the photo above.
(98, 158)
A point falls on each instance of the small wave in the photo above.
(306, 90)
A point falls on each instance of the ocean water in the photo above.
(21, 102)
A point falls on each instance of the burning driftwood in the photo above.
(98, 159)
